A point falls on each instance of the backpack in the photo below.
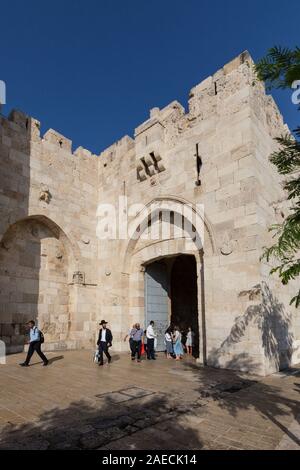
(42, 338)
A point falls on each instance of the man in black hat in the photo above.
(104, 342)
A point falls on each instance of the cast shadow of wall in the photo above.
(273, 324)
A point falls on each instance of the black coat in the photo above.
(109, 337)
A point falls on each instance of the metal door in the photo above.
(156, 300)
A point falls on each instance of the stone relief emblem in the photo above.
(149, 165)
(45, 194)
(78, 277)
(59, 254)
(34, 230)
(228, 245)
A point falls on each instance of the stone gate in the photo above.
(211, 158)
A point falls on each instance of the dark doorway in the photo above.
(171, 297)
(184, 297)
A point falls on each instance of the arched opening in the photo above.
(171, 297)
(34, 268)
(142, 252)
(184, 298)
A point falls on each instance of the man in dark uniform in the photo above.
(104, 342)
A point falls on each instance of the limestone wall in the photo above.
(47, 232)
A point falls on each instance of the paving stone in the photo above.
(115, 433)
(143, 423)
(136, 392)
(123, 421)
(93, 440)
(115, 397)
(254, 417)
(130, 429)
(33, 444)
(86, 429)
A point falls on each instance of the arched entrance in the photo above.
(140, 256)
(35, 265)
(171, 297)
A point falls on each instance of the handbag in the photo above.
(96, 356)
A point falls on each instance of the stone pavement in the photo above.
(163, 404)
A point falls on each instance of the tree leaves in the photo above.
(279, 69)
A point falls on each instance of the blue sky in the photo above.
(92, 69)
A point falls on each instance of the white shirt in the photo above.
(34, 334)
(103, 335)
(150, 332)
(168, 337)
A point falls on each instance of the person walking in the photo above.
(36, 339)
(131, 345)
(178, 349)
(136, 335)
(151, 335)
(169, 342)
(104, 342)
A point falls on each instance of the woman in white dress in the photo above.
(178, 349)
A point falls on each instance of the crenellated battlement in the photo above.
(222, 94)
(230, 93)
(58, 140)
(22, 123)
(115, 151)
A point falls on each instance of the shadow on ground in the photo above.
(247, 393)
(92, 425)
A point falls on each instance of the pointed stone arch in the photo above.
(136, 259)
(166, 203)
(54, 224)
(37, 262)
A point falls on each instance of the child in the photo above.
(189, 341)
(178, 350)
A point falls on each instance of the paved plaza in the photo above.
(162, 404)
